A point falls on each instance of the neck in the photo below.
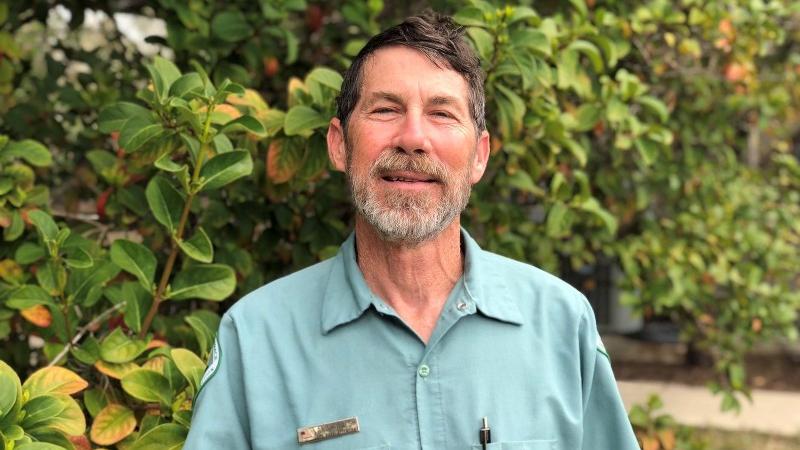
(414, 280)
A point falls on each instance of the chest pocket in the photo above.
(549, 444)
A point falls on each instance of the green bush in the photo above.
(139, 196)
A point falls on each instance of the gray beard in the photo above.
(409, 218)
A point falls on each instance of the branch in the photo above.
(78, 336)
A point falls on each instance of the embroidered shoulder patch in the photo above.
(213, 364)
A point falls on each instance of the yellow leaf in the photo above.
(112, 424)
(280, 167)
(156, 364)
(251, 99)
(55, 379)
(10, 271)
(38, 315)
(228, 110)
(116, 371)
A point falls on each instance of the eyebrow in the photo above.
(382, 95)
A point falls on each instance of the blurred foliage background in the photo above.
(145, 186)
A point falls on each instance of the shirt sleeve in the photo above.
(605, 422)
(219, 419)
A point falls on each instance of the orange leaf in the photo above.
(80, 442)
(156, 364)
(155, 343)
(228, 110)
(281, 164)
(116, 371)
(649, 443)
(37, 315)
(54, 379)
(667, 438)
(112, 424)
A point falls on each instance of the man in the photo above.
(412, 334)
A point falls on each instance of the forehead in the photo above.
(410, 74)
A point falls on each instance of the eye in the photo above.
(382, 110)
(443, 114)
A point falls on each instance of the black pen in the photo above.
(485, 434)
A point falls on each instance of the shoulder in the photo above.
(533, 288)
(293, 293)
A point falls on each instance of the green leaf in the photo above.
(302, 120)
(484, 42)
(101, 160)
(166, 203)
(118, 348)
(138, 302)
(326, 77)
(587, 115)
(532, 39)
(245, 123)
(516, 108)
(648, 150)
(10, 393)
(28, 253)
(470, 16)
(273, 121)
(168, 436)
(167, 71)
(655, 106)
(187, 86)
(557, 224)
(591, 205)
(148, 386)
(44, 224)
(522, 13)
(135, 259)
(198, 247)
(113, 117)
(222, 144)
(29, 150)
(591, 51)
(79, 259)
(207, 282)
(16, 228)
(52, 276)
(205, 325)
(39, 446)
(137, 132)
(231, 26)
(190, 366)
(85, 285)
(27, 296)
(225, 168)
(523, 181)
(41, 410)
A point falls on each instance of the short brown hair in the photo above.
(436, 36)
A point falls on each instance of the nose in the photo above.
(412, 136)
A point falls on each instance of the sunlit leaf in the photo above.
(112, 424)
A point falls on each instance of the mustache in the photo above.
(420, 163)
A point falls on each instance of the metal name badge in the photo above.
(329, 430)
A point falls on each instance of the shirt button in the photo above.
(462, 306)
(424, 371)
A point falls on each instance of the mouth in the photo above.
(408, 177)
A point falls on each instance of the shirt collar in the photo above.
(347, 295)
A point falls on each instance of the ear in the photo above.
(481, 159)
(336, 145)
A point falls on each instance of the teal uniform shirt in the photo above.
(513, 344)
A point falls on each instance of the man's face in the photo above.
(411, 151)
